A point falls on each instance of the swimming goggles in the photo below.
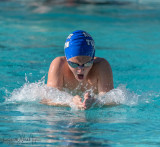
(75, 65)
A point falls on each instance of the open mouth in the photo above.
(80, 76)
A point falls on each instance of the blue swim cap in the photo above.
(79, 43)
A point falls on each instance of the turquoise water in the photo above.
(32, 34)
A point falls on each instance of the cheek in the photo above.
(74, 71)
(87, 70)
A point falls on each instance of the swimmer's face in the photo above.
(81, 71)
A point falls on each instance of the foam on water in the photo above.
(120, 95)
(35, 92)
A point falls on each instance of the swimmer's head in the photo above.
(79, 43)
(80, 66)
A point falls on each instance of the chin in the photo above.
(79, 80)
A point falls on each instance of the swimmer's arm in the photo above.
(105, 80)
(55, 74)
(76, 101)
(105, 84)
(105, 77)
(51, 103)
(55, 80)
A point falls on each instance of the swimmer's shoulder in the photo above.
(100, 63)
(58, 63)
(55, 74)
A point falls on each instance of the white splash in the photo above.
(28, 92)
(35, 92)
(31, 92)
(120, 95)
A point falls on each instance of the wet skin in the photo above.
(97, 77)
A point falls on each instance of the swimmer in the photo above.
(80, 71)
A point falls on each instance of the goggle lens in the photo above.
(75, 65)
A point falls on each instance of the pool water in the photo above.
(32, 34)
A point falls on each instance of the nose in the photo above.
(80, 69)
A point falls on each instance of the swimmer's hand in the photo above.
(86, 104)
(77, 100)
(88, 101)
